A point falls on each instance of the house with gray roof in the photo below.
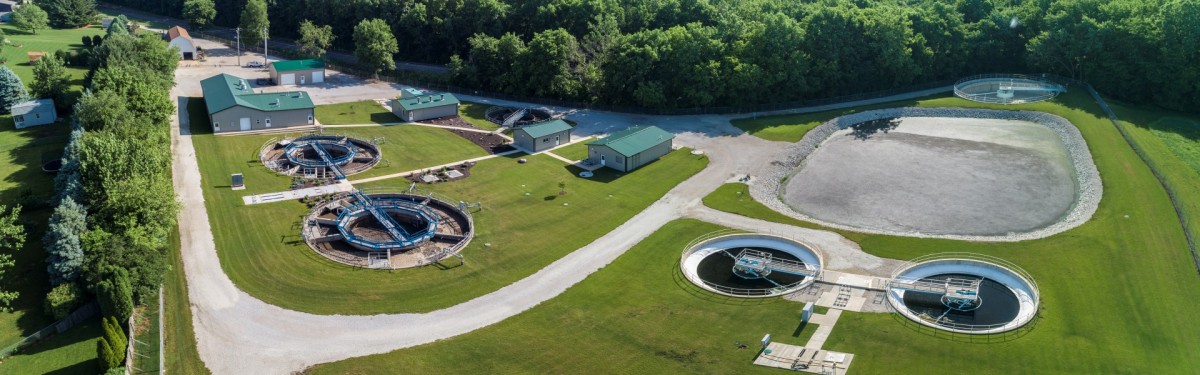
(416, 105)
(297, 72)
(33, 113)
(631, 148)
(542, 136)
(233, 106)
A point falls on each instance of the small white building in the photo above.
(178, 37)
(33, 113)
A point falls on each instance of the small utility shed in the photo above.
(542, 136)
(415, 105)
(631, 148)
(178, 37)
(33, 113)
(233, 106)
(297, 72)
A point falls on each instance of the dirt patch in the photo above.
(454, 121)
(492, 143)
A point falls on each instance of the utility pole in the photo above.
(238, 34)
(266, 54)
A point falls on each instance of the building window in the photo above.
(19, 118)
(37, 115)
(546, 140)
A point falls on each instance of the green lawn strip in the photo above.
(636, 315)
(70, 352)
(1107, 271)
(47, 41)
(360, 112)
(473, 113)
(27, 277)
(262, 252)
(791, 128)
(22, 152)
(181, 354)
(146, 346)
(1173, 141)
(735, 198)
(575, 151)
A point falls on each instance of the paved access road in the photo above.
(240, 334)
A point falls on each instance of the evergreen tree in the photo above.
(62, 241)
(65, 14)
(12, 90)
(116, 295)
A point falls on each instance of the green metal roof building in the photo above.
(415, 105)
(234, 106)
(631, 148)
(542, 136)
(297, 72)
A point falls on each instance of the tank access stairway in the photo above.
(514, 117)
(338, 174)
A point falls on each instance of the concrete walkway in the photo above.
(825, 323)
(297, 194)
(239, 334)
(407, 173)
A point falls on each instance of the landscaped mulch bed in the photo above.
(454, 121)
(492, 143)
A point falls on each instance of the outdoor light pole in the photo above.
(238, 36)
(266, 55)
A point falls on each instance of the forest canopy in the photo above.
(695, 53)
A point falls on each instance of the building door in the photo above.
(302, 79)
(602, 159)
(245, 123)
(268, 121)
(287, 79)
(310, 119)
(318, 77)
(556, 141)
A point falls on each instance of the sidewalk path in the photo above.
(239, 334)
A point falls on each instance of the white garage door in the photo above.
(245, 123)
(287, 79)
(318, 77)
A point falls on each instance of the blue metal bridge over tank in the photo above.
(378, 208)
(327, 160)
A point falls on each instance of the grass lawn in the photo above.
(791, 128)
(1104, 305)
(473, 113)
(262, 252)
(361, 112)
(575, 151)
(637, 315)
(71, 352)
(182, 356)
(46, 41)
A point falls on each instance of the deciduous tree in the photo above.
(199, 13)
(254, 22)
(314, 40)
(31, 18)
(375, 45)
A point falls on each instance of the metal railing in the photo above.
(1053, 89)
(988, 259)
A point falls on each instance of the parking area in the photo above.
(337, 88)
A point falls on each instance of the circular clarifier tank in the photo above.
(750, 265)
(964, 293)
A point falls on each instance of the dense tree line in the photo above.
(684, 53)
(115, 206)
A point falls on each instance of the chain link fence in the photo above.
(81, 314)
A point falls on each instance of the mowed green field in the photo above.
(635, 316)
(575, 151)
(20, 43)
(360, 112)
(71, 352)
(1117, 297)
(473, 113)
(524, 219)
